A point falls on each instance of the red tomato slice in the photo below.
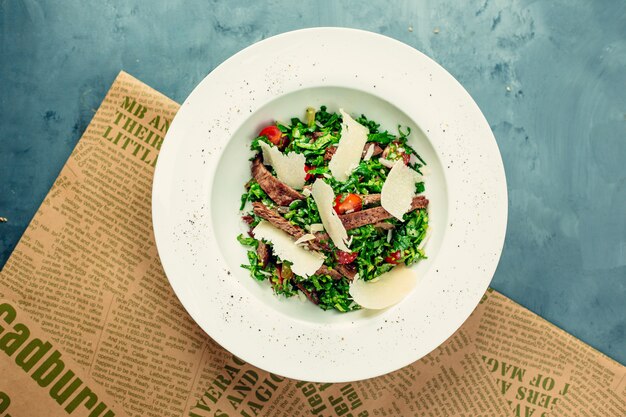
(273, 134)
(345, 258)
(394, 257)
(308, 176)
(348, 203)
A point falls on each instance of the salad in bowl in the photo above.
(335, 210)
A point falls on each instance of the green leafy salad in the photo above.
(291, 209)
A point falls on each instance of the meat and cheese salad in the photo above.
(335, 211)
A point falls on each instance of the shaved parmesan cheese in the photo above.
(316, 227)
(386, 290)
(389, 235)
(386, 162)
(398, 190)
(369, 153)
(305, 238)
(306, 191)
(304, 262)
(324, 197)
(289, 167)
(349, 149)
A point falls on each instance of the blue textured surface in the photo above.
(550, 76)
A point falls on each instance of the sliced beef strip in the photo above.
(337, 272)
(283, 224)
(263, 251)
(322, 236)
(317, 245)
(312, 296)
(277, 190)
(347, 271)
(384, 225)
(330, 151)
(333, 272)
(376, 214)
(277, 220)
(419, 202)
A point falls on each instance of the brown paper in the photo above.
(39, 379)
(540, 369)
(88, 273)
(450, 381)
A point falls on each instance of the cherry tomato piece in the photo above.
(347, 203)
(345, 258)
(273, 134)
(394, 257)
(308, 176)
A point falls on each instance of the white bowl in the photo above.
(204, 164)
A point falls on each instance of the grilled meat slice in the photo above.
(376, 214)
(278, 191)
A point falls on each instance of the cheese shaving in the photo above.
(305, 238)
(386, 290)
(369, 152)
(386, 162)
(324, 197)
(349, 149)
(398, 190)
(304, 262)
(316, 227)
(289, 167)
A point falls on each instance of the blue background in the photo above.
(550, 76)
